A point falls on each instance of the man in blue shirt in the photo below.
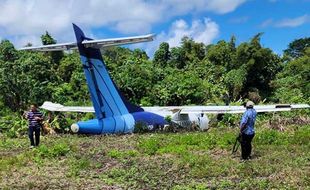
(247, 130)
(35, 118)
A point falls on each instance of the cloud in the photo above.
(201, 31)
(24, 18)
(224, 6)
(204, 31)
(24, 40)
(266, 23)
(293, 22)
(286, 22)
(239, 20)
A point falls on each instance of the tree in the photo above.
(47, 39)
(115, 57)
(140, 54)
(68, 65)
(293, 82)
(70, 88)
(187, 53)
(25, 80)
(192, 49)
(177, 89)
(232, 43)
(223, 53)
(234, 81)
(162, 55)
(261, 65)
(7, 51)
(297, 48)
(178, 58)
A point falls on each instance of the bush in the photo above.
(141, 128)
(229, 120)
(149, 146)
(60, 149)
(301, 136)
(13, 125)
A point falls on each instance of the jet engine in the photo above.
(188, 120)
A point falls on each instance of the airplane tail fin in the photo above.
(107, 99)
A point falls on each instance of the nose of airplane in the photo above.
(75, 128)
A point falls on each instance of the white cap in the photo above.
(249, 104)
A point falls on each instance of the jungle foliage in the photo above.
(190, 74)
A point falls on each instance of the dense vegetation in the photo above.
(191, 74)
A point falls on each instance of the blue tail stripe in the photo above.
(110, 93)
(106, 107)
(91, 87)
(104, 82)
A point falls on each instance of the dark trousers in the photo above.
(36, 131)
(246, 147)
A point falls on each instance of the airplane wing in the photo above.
(93, 43)
(169, 110)
(224, 109)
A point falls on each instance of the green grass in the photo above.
(194, 160)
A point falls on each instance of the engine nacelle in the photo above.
(203, 122)
(188, 120)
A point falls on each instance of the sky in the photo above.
(207, 21)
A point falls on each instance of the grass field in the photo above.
(194, 160)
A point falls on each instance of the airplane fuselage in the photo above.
(118, 124)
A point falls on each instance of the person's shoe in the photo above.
(31, 147)
(244, 159)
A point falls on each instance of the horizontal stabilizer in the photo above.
(52, 47)
(118, 41)
(93, 43)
